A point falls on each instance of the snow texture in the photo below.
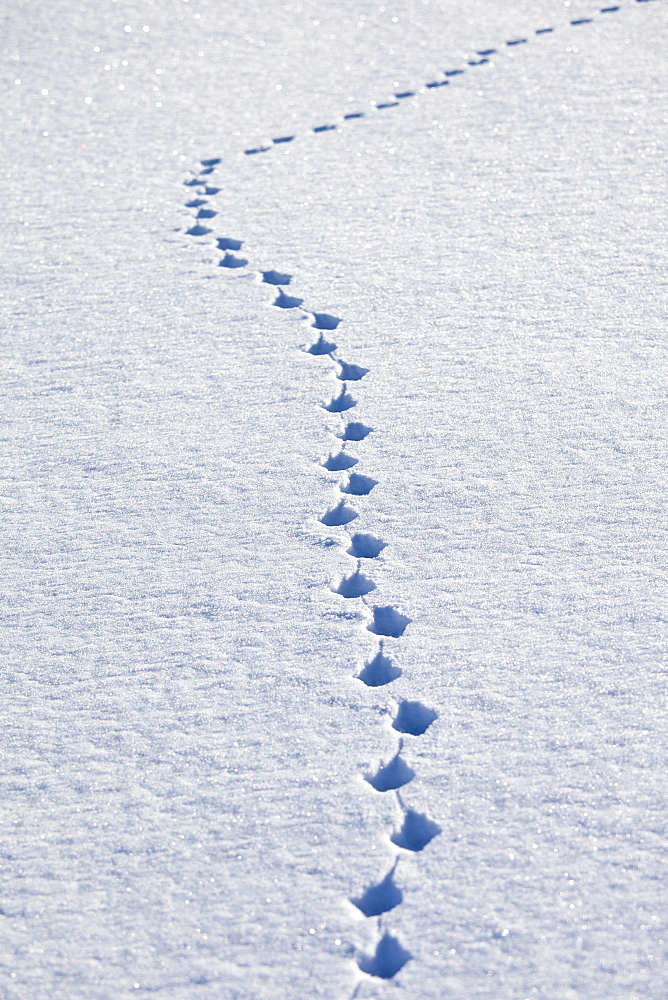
(334, 461)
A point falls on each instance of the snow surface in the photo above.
(202, 800)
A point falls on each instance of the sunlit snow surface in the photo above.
(252, 747)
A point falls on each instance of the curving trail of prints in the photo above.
(415, 831)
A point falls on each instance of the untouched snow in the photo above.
(239, 760)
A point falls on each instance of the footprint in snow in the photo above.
(365, 546)
(354, 431)
(355, 585)
(229, 260)
(416, 832)
(340, 462)
(225, 243)
(388, 958)
(276, 278)
(379, 671)
(380, 898)
(414, 718)
(350, 373)
(323, 321)
(388, 621)
(391, 776)
(339, 404)
(358, 485)
(283, 301)
(339, 515)
(321, 346)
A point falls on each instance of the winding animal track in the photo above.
(414, 831)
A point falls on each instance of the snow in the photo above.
(334, 671)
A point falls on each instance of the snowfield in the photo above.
(334, 458)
